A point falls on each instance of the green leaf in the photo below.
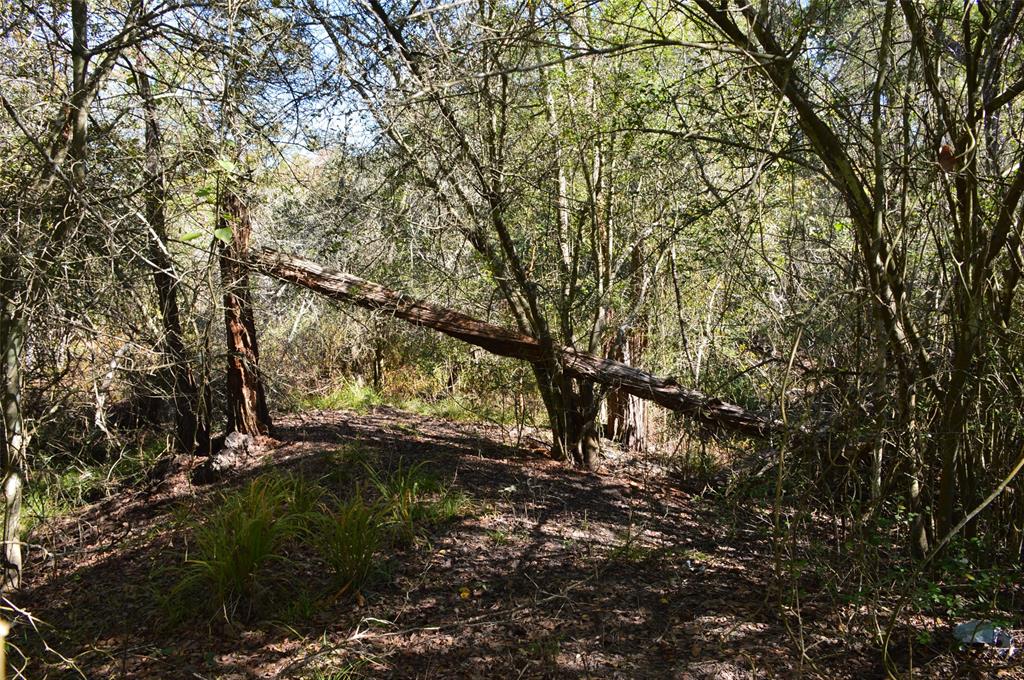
(227, 166)
(206, 192)
(223, 233)
(191, 236)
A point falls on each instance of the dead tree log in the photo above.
(510, 343)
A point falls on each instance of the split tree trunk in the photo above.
(192, 427)
(246, 399)
(572, 409)
(574, 364)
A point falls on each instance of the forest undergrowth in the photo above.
(539, 339)
(385, 543)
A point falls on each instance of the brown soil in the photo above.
(555, 573)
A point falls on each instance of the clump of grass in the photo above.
(42, 504)
(499, 537)
(449, 506)
(447, 408)
(304, 498)
(631, 547)
(415, 501)
(353, 395)
(545, 650)
(347, 540)
(234, 546)
(421, 396)
(355, 455)
(405, 495)
(133, 463)
(459, 409)
(348, 465)
(247, 547)
(302, 605)
(55, 491)
(349, 670)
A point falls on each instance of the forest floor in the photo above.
(550, 572)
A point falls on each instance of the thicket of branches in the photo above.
(811, 209)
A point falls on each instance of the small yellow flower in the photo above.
(464, 593)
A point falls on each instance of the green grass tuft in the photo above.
(351, 395)
(53, 492)
(234, 546)
(246, 552)
(414, 501)
(347, 540)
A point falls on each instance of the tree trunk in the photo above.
(627, 413)
(571, 407)
(14, 444)
(584, 438)
(192, 429)
(626, 421)
(246, 399)
(79, 105)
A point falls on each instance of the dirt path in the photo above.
(554, 573)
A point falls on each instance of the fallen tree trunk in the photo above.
(510, 343)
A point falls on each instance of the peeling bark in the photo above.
(247, 401)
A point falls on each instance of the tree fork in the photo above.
(510, 343)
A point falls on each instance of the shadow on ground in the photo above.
(555, 573)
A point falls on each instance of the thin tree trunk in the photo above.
(951, 443)
(79, 106)
(192, 429)
(246, 399)
(584, 439)
(14, 444)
